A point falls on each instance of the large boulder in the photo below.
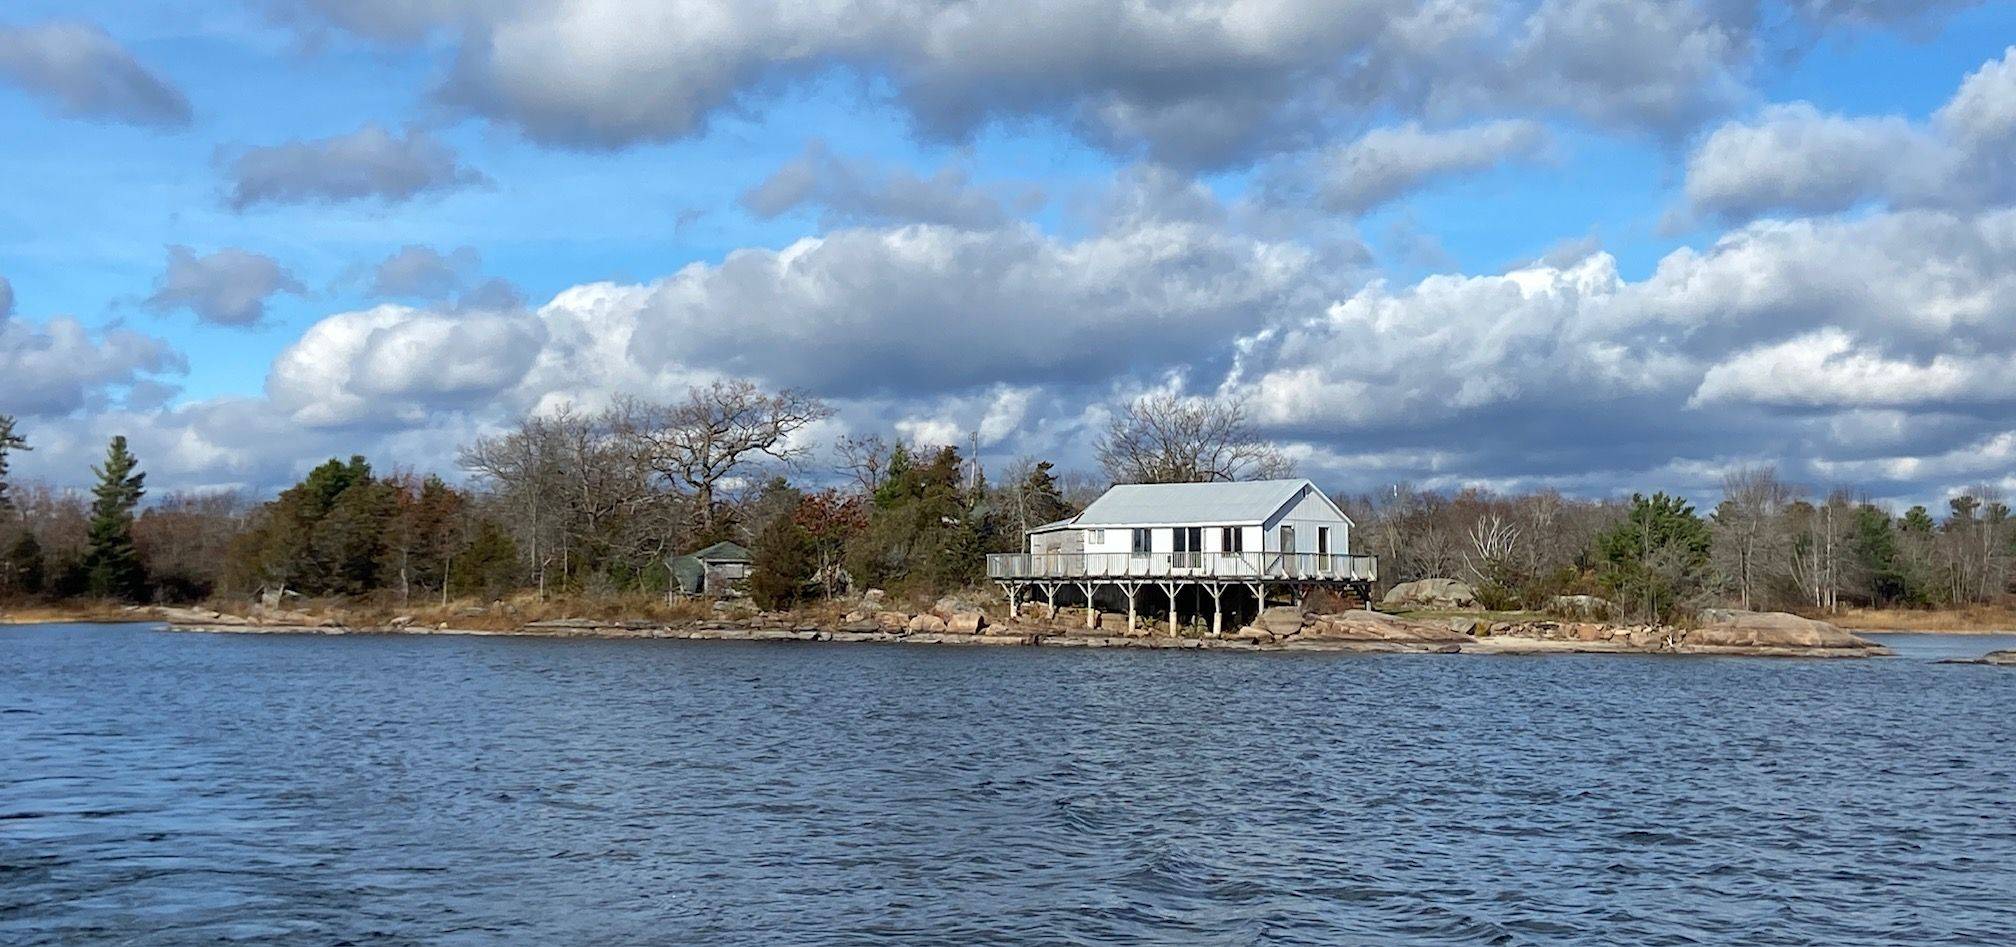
(927, 623)
(1253, 633)
(1365, 625)
(1280, 621)
(966, 623)
(893, 621)
(2002, 658)
(1431, 593)
(1734, 628)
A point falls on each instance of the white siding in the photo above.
(1307, 514)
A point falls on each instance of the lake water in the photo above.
(167, 788)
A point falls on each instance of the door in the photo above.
(1288, 550)
(1189, 547)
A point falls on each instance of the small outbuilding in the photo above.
(719, 569)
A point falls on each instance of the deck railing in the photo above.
(1191, 565)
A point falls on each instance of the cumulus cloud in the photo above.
(1387, 163)
(229, 287)
(396, 363)
(1797, 158)
(1191, 83)
(62, 366)
(944, 308)
(852, 191)
(365, 164)
(87, 74)
(1831, 368)
(422, 272)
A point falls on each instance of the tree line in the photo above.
(1767, 544)
(593, 503)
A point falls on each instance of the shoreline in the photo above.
(1045, 637)
(1388, 635)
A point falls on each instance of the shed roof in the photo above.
(1248, 501)
(720, 552)
(1060, 524)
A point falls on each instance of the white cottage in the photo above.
(1260, 536)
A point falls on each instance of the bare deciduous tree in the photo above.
(1748, 524)
(865, 459)
(718, 432)
(1167, 439)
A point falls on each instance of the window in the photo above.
(1096, 537)
(1232, 539)
(1141, 542)
(1322, 540)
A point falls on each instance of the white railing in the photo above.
(1203, 565)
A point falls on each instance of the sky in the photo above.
(1591, 245)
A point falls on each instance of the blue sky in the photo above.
(1572, 243)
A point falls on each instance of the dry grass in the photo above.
(1974, 619)
(69, 612)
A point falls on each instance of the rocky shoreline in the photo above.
(1278, 629)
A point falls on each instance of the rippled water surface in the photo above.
(157, 787)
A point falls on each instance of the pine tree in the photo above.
(1043, 497)
(1657, 557)
(111, 562)
(9, 441)
(488, 566)
(23, 569)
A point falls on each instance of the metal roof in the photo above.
(1135, 504)
(720, 552)
(1060, 524)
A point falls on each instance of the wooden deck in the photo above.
(1226, 566)
(1211, 573)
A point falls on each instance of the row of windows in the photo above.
(1230, 539)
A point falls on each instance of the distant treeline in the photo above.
(1766, 545)
(597, 503)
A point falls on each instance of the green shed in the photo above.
(716, 570)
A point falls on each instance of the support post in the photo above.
(1014, 596)
(1091, 611)
(1132, 590)
(1171, 588)
(1217, 610)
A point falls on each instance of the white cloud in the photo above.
(854, 191)
(87, 74)
(62, 366)
(1830, 368)
(1191, 83)
(402, 364)
(229, 287)
(367, 163)
(1389, 162)
(422, 272)
(1796, 158)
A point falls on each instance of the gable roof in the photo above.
(1248, 501)
(720, 552)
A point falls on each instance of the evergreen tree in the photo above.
(782, 564)
(1657, 557)
(326, 535)
(1043, 497)
(488, 566)
(9, 441)
(111, 562)
(1873, 546)
(23, 569)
